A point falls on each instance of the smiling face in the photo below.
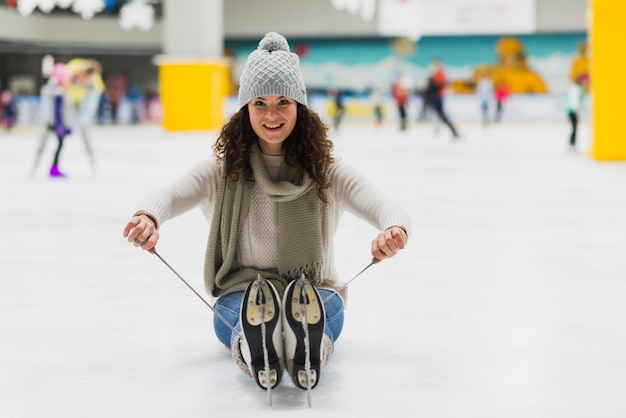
(273, 118)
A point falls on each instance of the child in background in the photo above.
(8, 111)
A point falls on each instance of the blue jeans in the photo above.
(229, 307)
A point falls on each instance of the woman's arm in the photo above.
(357, 195)
(197, 185)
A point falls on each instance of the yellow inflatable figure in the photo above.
(512, 70)
(580, 66)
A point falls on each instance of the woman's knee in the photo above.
(228, 307)
(333, 305)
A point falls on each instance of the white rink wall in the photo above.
(460, 108)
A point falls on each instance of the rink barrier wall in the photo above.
(461, 108)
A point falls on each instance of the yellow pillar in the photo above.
(193, 94)
(608, 83)
(193, 73)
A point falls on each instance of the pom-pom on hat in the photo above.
(272, 69)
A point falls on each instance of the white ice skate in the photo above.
(261, 343)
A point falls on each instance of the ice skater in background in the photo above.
(485, 95)
(85, 92)
(400, 90)
(339, 108)
(376, 98)
(8, 110)
(501, 94)
(435, 102)
(274, 193)
(440, 79)
(575, 97)
(56, 112)
(77, 86)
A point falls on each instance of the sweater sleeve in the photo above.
(360, 197)
(195, 187)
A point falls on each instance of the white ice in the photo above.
(508, 302)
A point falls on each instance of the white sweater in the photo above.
(258, 244)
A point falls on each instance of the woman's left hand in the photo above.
(389, 242)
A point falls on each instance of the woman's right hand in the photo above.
(142, 232)
(389, 242)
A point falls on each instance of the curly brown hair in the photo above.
(307, 148)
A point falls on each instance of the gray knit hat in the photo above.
(272, 69)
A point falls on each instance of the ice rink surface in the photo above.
(508, 302)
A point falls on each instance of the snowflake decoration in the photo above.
(136, 14)
(87, 8)
(46, 6)
(366, 8)
(26, 7)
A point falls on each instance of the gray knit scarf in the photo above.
(299, 230)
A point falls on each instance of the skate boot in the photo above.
(54, 172)
(261, 342)
(307, 348)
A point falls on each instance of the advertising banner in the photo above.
(415, 18)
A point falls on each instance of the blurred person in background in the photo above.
(435, 102)
(400, 90)
(501, 94)
(485, 94)
(116, 90)
(338, 109)
(150, 100)
(86, 90)
(69, 102)
(440, 81)
(58, 110)
(439, 76)
(576, 93)
(8, 110)
(376, 96)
